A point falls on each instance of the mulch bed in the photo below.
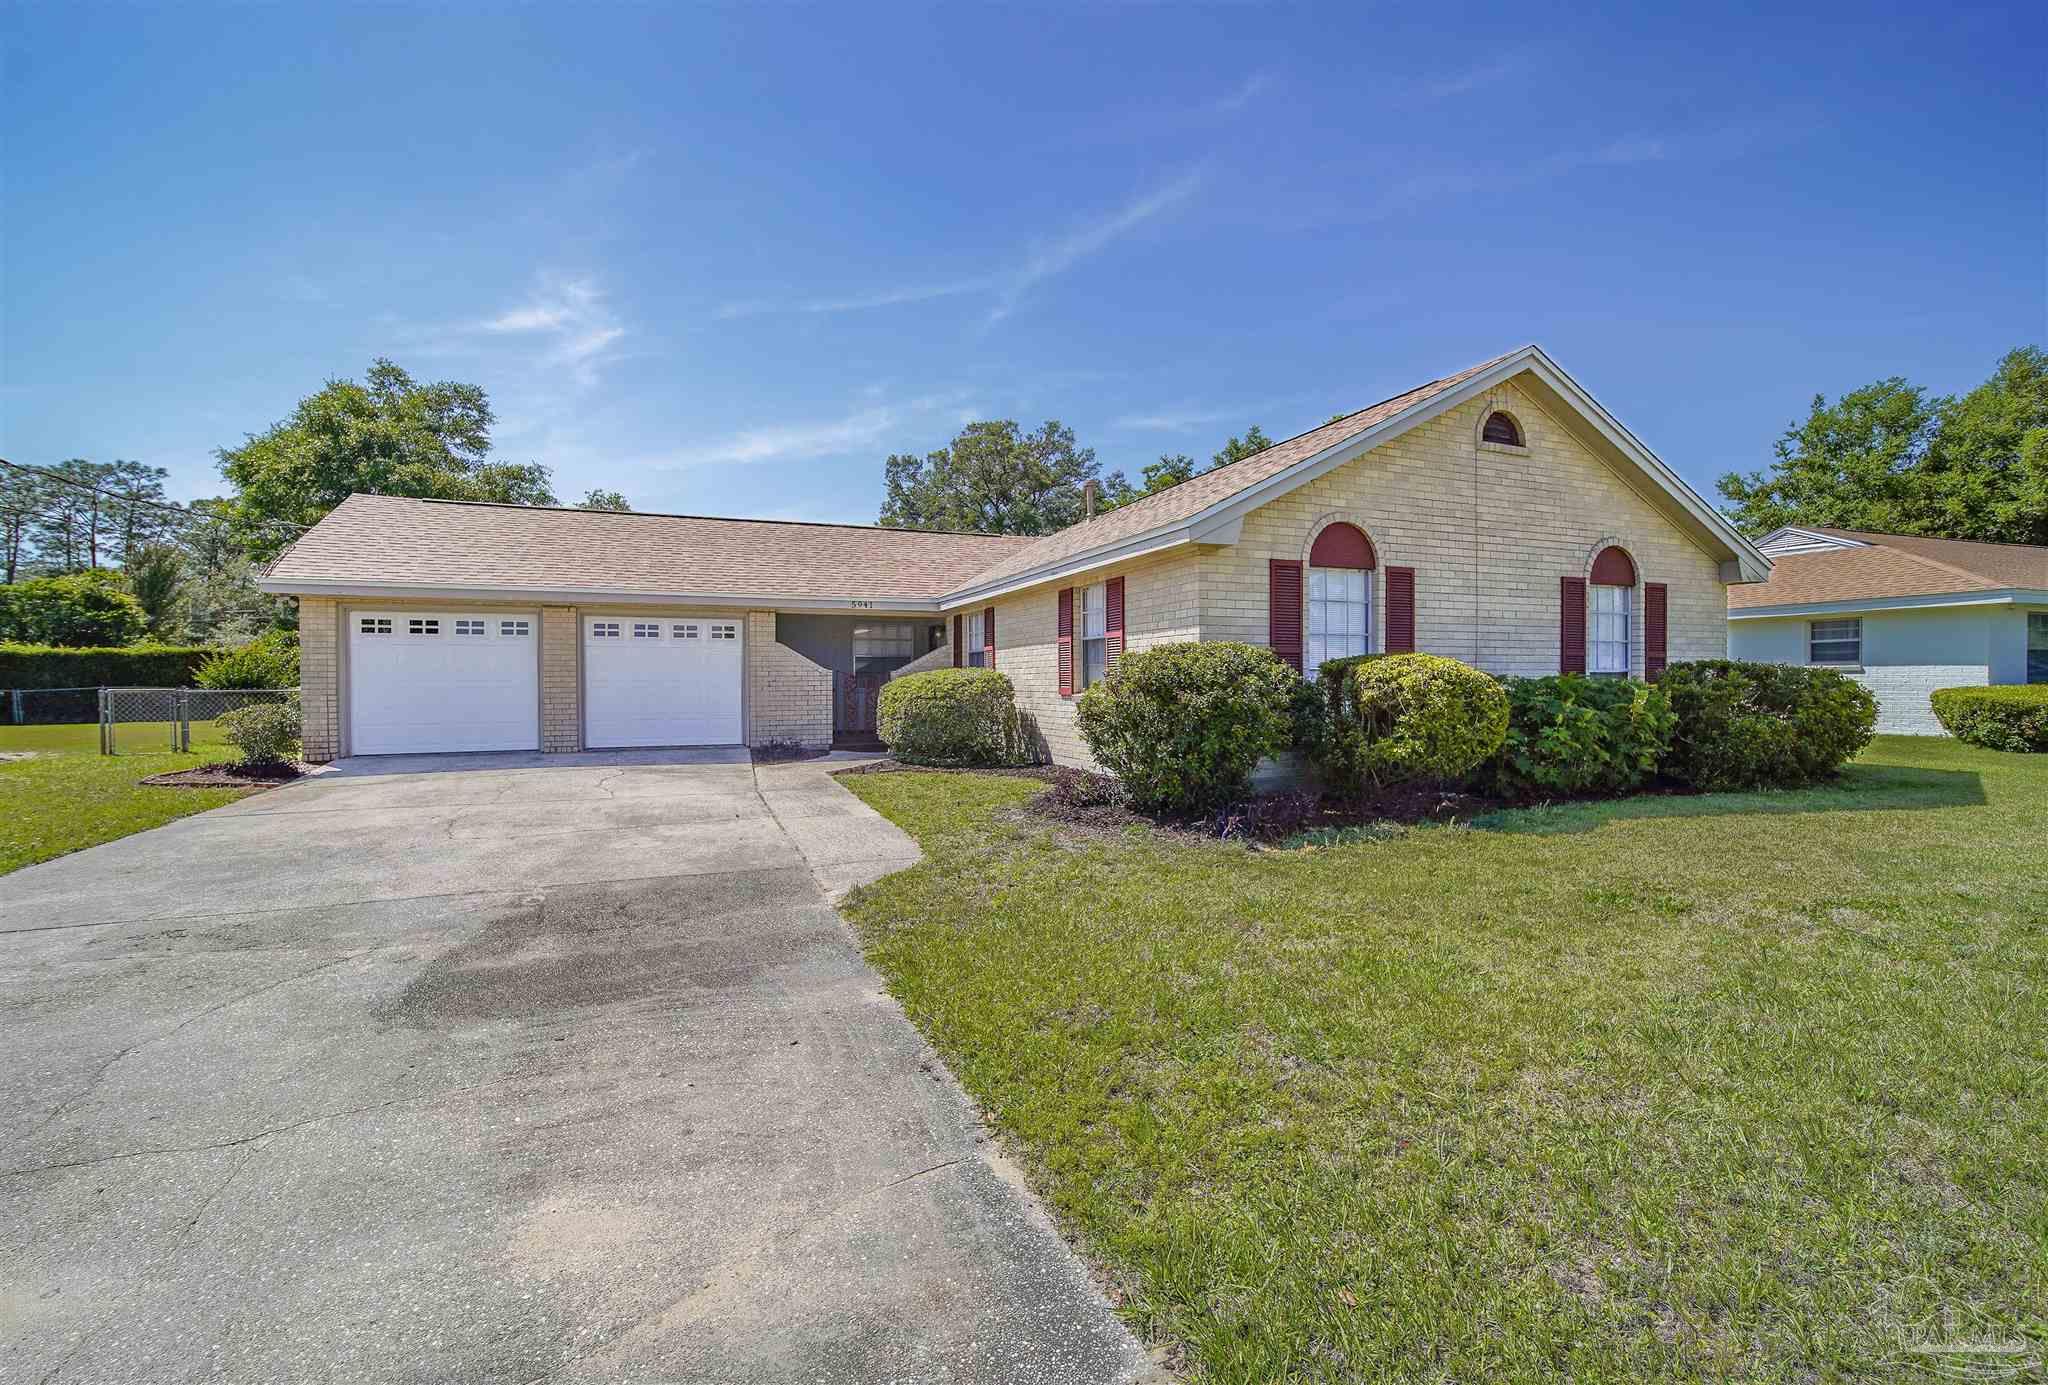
(1042, 772)
(1076, 799)
(227, 776)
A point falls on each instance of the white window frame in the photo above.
(686, 630)
(646, 629)
(884, 640)
(2037, 646)
(1337, 627)
(1091, 636)
(975, 655)
(428, 626)
(724, 630)
(1610, 634)
(607, 630)
(374, 625)
(1815, 639)
(515, 629)
(472, 627)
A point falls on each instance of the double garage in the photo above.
(435, 681)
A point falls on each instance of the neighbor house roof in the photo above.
(1866, 569)
(380, 544)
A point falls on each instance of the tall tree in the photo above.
(73, 516)
(21, 506)
(993, 478)
(389, 434)
(155, 574)
(603, 500)
(139, 513)
(1889, 458)
(1237, 449)
(1173, 468)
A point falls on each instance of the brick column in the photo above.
(319, 678)
(561, 700)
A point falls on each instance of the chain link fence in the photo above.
(48, 706)
(163, 717)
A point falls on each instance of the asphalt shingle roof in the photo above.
(378, 540)
(1898, 565)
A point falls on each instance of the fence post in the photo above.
(106, 725)
(183, 741)
(18, 712)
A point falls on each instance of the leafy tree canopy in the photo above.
(391, 435)
(993, 478)
(77, 610)
(1173, 468)
(1889, 458)
(603, 500)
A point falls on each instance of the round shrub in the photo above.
(1184, 725)
(1759, 726)
(268, 661)
(267, 733)
(2000, 718)
(949, 716)
(1399, 718)
(1571, 734)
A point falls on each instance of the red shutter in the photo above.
(1655, 624)
(1283, 610)
(988, 635)
(1112, 622)
(1571, 625)
(958, 655)
(1400, 610)
(1066, 641)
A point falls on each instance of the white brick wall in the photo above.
(789, 698)
(319, 678)
(1489, 531)
(1901, 690)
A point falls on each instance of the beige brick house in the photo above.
(1499, 515)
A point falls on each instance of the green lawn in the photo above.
(1744, 1086)
(70, 796)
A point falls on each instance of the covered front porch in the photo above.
(861, 652)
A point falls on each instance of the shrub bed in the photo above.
(268, 661)
(1571, 734)
(1756, 726)
(1184, 725)
(1387, 719)
(267, 733)
(949, 716)
(1998, 718)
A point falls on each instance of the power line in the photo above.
(182, 511)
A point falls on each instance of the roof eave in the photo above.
(386, 591)
(2006, 596)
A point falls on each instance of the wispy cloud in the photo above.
(861, 430)
(858, 302)
(1439, 184)
(1485, 73)
(572, 317)
(1008, 286)
(1058, 256)
(1176, 420)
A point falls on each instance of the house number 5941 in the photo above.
(862, 605)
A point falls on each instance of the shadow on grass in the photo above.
(1861, 789)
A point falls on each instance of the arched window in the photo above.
(1340, 568)
(1611, 602)
(1503, 429)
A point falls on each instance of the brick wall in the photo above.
(1162, 604)
(320, 678)
(789, 698)
(1905, 705)
(1489, 531)
(561, 679)
(942, 657)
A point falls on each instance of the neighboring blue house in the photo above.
(1902, 615)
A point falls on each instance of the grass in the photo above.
(68, 796)
(1736, 1086)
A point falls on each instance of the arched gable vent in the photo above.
(1503, 429)
(1342, 545)
(1613, 569)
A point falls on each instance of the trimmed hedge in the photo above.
(949, 716)
(1763, 726)
(1390, 719)
(1184, 725)
(130, 666)
(2008, 717)
(1572, 734)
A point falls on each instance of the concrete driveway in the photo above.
(500, 1068)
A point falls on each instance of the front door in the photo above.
(858, 693)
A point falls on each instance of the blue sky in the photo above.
(725, 259)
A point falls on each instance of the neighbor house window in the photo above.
(977, 644)
(1094, 635)
(1339, 613)
(1607, 630)
(880, 648)
(1834, 641)
(2037, 647)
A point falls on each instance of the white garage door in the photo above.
(661, 682)
(423, 681)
